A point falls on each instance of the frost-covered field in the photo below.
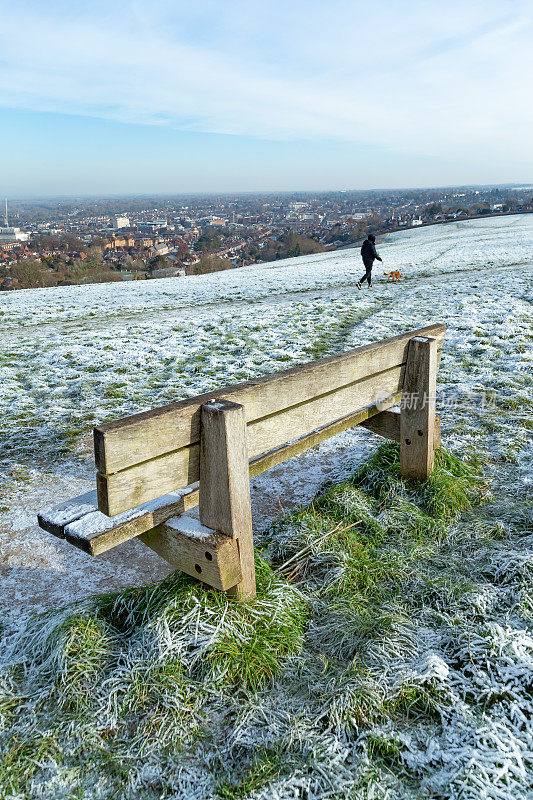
(74, 356)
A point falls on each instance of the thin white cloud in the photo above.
(421, 77)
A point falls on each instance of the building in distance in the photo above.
(10, 234)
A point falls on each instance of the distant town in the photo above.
(68, 241)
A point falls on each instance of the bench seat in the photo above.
(81, 523)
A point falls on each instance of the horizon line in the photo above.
(230, 193)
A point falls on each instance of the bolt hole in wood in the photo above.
(407, 441)
(209, 556)
(420, 433)
(198, 568)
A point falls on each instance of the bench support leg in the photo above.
(224, 499)
(417, 417)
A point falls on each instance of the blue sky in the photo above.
(131, 97)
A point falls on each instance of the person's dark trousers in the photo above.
(368, 275)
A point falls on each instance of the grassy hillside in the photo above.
(390, 652)
(369, 653)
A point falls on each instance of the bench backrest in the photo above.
(146, 455)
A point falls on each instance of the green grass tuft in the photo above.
(129, 673)
(252, 640)
(23, 757)
(386, 749)
(82, 651)
(454, 487)
(266, 766)
(374, 542)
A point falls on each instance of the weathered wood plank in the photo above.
(387, 424)
(143, 482)
(83, 525)
(225, 484)
(225, 503)
(297, 421)
(278, 455)
(150, 434)
(417, 418)
(197, 550)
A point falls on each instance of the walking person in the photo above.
(368, 254)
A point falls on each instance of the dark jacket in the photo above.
(369, 253)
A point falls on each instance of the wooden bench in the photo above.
(154, 466)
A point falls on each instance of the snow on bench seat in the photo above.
(81, 523)
(55, 518)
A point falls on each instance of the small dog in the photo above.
(393, 276)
